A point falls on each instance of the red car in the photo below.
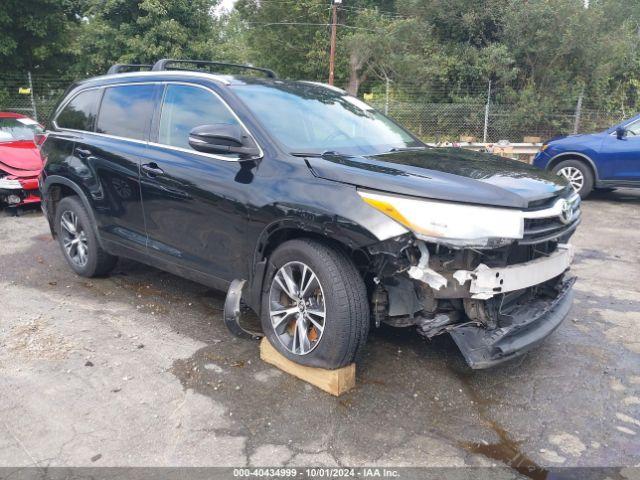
(20, 161)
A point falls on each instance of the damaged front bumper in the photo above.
(496, 304)
(529, 326)
(486, 282)
(18, 191)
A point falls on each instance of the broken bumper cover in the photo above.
(19, 191)
(486, 282)
(535, 321)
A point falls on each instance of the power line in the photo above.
(377, 10)
(311, 24)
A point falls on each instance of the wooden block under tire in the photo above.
(336, 382)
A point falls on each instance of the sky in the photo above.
(224, 6)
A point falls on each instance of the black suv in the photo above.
(323, 215)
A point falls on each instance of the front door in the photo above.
(194, 203)
(620, 157)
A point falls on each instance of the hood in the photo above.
(451, 174)
(575, 137)
(20, 158)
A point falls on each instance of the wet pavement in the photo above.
(138, 369)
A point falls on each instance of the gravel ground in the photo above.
(137, 369)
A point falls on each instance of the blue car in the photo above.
(602, 160)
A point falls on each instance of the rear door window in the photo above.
(186, 107)
(126, 111)
(80, 112)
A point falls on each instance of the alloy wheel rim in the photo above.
(297, 308)
(573, 176)
(74, 239)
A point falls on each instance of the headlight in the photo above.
(8, 183)
(544, 147)
(453, 224)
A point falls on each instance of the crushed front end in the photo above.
(496, 279)
(16, 190)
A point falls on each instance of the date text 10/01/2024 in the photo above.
(317, 472)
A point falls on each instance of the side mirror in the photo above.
(222, 138)
(621, 132)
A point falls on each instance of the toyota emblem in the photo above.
(565, 211)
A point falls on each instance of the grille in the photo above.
(538, 230)
(551, 228)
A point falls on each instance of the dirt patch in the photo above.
(35, 340)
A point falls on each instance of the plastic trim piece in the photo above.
(487, 282)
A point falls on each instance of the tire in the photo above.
(338, 288)
(578, 174)
(71, 215)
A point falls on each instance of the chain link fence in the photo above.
(33, 95)
(477, 122)
(433, 116)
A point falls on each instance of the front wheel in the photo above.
(577, 174)
(314, 305)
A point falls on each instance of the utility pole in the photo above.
(486, 115)
(33, 98)
(332, 54)
(386, 92)
(576, 122)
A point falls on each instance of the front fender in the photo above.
(357, 226)
(558, 157)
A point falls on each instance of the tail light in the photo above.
(40, 138)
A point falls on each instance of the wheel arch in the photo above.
(282, 231)
(54, 189)
(581, 157)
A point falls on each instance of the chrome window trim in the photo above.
(195, 152)
(106, 135)
(156, 144)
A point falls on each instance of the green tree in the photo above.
(143, 31)
(290, 37)
(37, 35)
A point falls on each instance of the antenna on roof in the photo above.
(162, 65)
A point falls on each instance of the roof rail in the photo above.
(162, 65)
(121, 67)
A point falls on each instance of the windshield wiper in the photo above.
(405, 149)
(314, 154)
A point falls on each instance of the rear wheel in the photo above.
(314, 305)
(578, 174)
(78, 240)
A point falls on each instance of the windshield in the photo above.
(12, 129)
(308, 118)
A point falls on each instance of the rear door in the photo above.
(620, 157)
(114, 154)
(195, 203)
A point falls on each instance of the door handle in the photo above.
(83, 152)
(152, 169)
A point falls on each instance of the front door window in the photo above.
(186, 107)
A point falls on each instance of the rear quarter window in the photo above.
(80, 112)
(126, 111)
